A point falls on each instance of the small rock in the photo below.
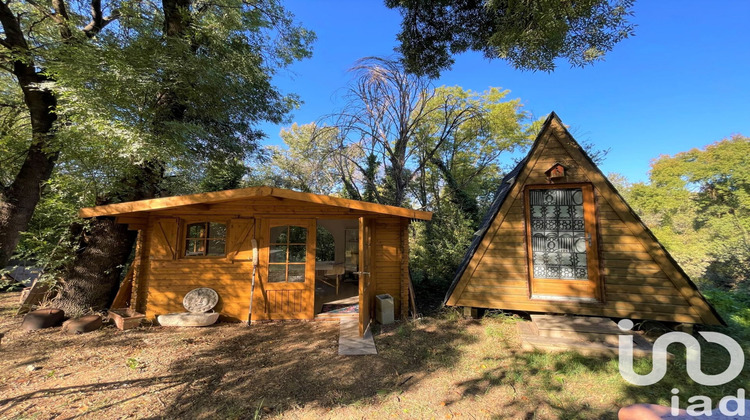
(31, 368)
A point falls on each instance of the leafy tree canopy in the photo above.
(698, 204)
(531, 35)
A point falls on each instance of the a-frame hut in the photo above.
(559, 238)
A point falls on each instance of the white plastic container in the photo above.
(384, 309)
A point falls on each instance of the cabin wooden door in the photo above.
(561, 235)
(289, 269)
(366, 286)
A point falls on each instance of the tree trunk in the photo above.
(94, 277)
(459, 197)
(17, 203)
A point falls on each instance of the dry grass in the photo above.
(437, 368)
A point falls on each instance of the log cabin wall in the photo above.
(639, 279)
(166, 275)
(387, 257)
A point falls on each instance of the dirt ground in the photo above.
(437, 368)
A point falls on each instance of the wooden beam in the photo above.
(231, 195)
(171, 202)
(128, 219)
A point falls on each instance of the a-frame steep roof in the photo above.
(553, 125)
(502, 192)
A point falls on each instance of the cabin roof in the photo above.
(507, 184)
(165, 203)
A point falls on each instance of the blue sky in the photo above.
(682, 82)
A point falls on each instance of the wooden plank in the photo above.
(142, 279)
(632, 247)
(670, 299)
(496, 258)
(618, 239)
(240, 234)
(509, 291)
(405, 285)
(518, 281)
(128, 219)
(659, 280)
(500, 271)
(641, 265)
(638, 256)
(238, 194)
(583, 310)
(164, 239)
(632, 271)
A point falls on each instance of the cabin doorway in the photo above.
(290, 269)
(336, 262)
(562, 242)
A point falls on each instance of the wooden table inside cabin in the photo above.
(329, 268)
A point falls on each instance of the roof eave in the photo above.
(166, 203)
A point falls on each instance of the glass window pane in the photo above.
(279, 235)
(217, 230)
(196, 230)
(194, 247)
(557, 234)
(296, 273)
(297, 235)
(297, 253)
(277, 254)
(276, 273)
(216, 247)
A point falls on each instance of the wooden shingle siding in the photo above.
(639, 279)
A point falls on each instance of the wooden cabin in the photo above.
(559, 238)
(206, 240)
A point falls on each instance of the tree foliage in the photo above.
(530, 35)
(402, 141)
(166, 100)
(397, 127)
(309, 162)
(698, 204)
(30, 34)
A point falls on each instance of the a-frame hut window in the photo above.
(562, 241)
(205, 239)
(558, 237)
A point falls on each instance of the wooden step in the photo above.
(590, 329)
(585, 335)
(576, 323)
(553, 344)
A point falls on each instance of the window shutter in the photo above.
(240, 235)
(164, 243)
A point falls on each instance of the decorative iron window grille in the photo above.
(558, 237)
